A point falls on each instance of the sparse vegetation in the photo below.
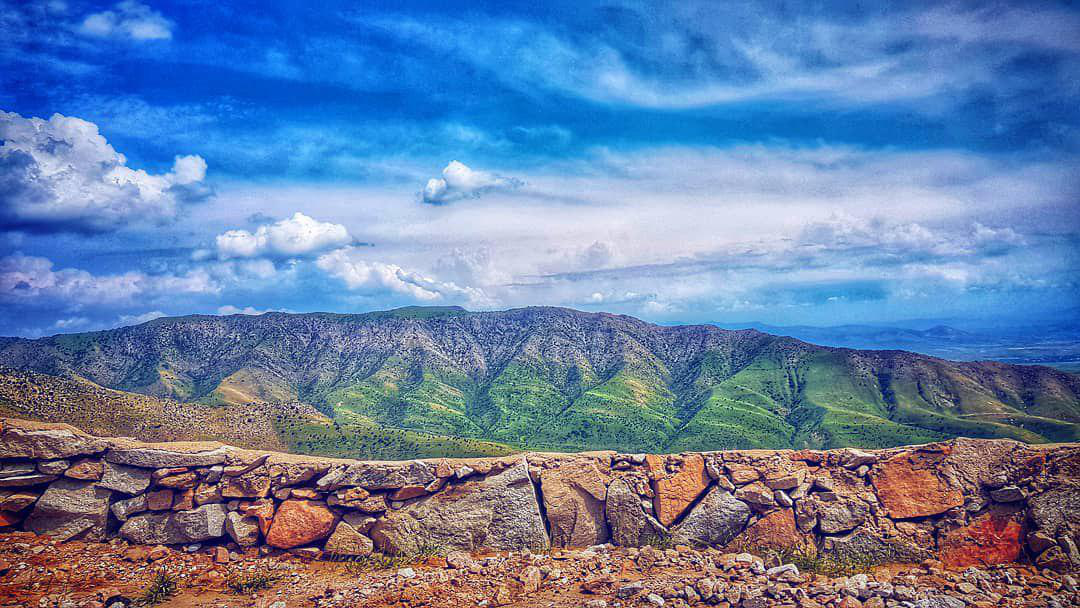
(842, 563)
(247, 580)
(384, 561)
(163, 586)
(660, 540)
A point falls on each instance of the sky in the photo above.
(789, 163)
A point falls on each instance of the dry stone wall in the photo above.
(965, 502)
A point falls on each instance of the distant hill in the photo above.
(551, 378)
(1053, 344)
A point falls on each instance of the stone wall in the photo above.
(965, 502)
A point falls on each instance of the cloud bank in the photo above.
(61, 174)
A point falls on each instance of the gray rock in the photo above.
(213, 474)
(842, 515)
(158, 458)
(852, 458)
(361, 521)
(347, 540)
(630, 525)
(129, 480)
(47, 444)
(862, 544)
(1054, 511)
(242, 529)
(30, 479)
(715, 521)
(654, 599)
(18, 469)
(940, 601)
(123, 509)
(498, 512)
(629, 590)
(783, 499)
(385, 476)
(53, 467)
(459, 560)
(1007, 494)
(70, 509)
(176, 527)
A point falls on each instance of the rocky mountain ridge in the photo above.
(552, 378)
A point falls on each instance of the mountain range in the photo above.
(1055, 344)
(422, 381)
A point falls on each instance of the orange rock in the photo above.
(774, 531)
(184, 500)
(298, 523)
(910, 485)
(160, 500)
(179, 481)
(8, 518)
(992, 538)
(221, 555)
(676, 490)
(408, 492)
(86, 470)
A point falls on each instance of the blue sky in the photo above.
(823, 164)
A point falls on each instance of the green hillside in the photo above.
(445, 381)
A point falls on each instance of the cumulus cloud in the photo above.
(293, 237)
(61, 174)
(128, 19)
(24, 279)
(458, 181)
(358, 274)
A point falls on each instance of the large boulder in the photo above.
(42, 441)
(176, 527)
(677, 482)
(995, 537)
(840, 515)
(630, 525)
(499, 511)
(714, 522)
(869, 544)
(122, 478)
(913, 484)
(298, 523)
(1055, 511)
(574, 495)
(775, 531)
(70, 509)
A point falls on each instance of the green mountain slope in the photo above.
(558, 379)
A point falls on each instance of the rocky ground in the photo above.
(38, 572)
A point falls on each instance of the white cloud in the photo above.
(128, 19)
(458, 181)
(61, 174)
(293, 237)
(348, 265)
(700, 54)
(28, 278)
